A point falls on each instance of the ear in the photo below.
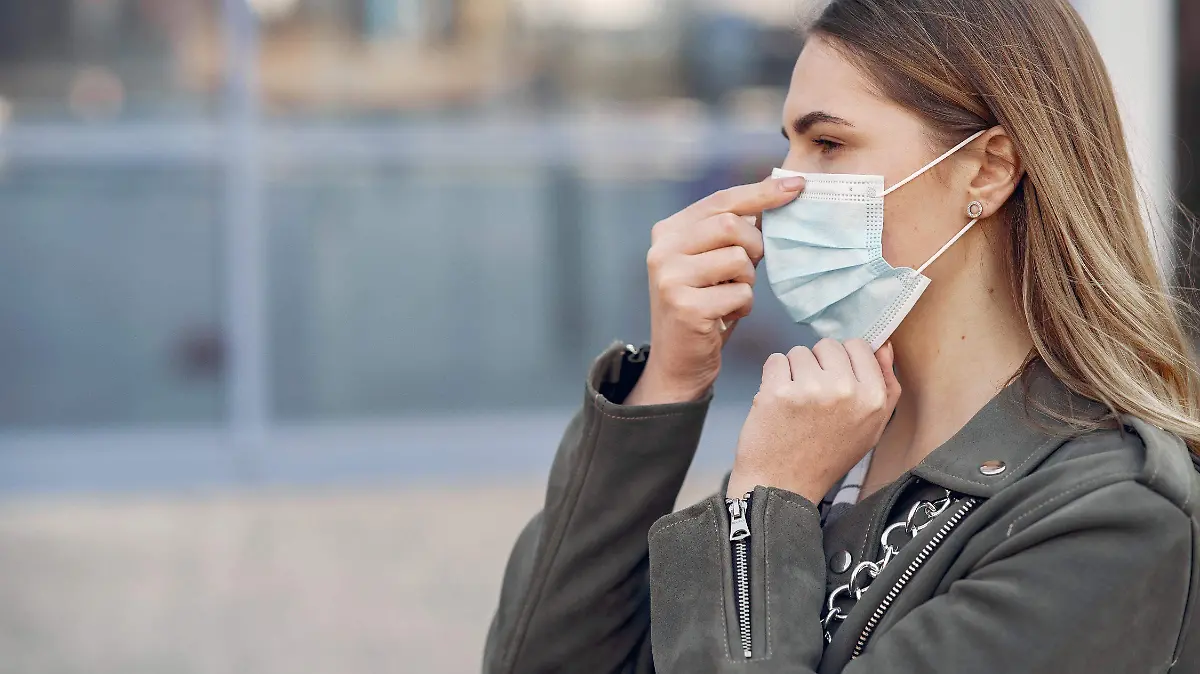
(999, 171)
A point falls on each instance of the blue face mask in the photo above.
(824, 256)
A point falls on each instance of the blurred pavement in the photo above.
(347, 582)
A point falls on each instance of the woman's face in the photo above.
(835, 123)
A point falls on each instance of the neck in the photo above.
(958, 348)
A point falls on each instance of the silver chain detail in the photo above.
(920, 516)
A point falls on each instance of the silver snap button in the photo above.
(993, 467)
(840, 562)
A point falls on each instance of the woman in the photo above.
(1026, 503)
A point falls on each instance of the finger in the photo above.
(886, 357)
(756, 222)
(745, 199)
(862, 360)
(727, 302)
(721, 231)
(776, 371)
(803, 363)
(833, 357)
(723, 265)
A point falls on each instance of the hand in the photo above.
(701, 263)
(817, 414)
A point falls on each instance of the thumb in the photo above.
(886, 356)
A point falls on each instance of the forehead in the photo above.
(823, 79)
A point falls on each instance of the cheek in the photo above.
(905, 240)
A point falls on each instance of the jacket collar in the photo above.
(1009, 431)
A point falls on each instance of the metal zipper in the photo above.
(968, 504)
(739, 536)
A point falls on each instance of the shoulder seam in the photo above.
(1098, 482)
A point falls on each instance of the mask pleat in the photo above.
(855, 314)
(799, 261)
(809, 294)
(818, 224)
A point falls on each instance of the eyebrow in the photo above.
(803, 124)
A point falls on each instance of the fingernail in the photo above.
(793, 184)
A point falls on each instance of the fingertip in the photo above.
(886, 354)
(775, 365)
(790, 184)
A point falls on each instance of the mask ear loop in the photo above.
(946, 247)
(933, 163)
(922, 172)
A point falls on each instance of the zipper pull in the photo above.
(739, 528)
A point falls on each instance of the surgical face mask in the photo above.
(824, 256)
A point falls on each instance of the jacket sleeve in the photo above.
(1096, 585)
(575, 595)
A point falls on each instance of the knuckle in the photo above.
(826, 400)
(875, 400)
(791, 396)
(659, 229)
(748, 270)
(684, 302)
(747, 304)
(729, 224)
(672, 295)
(810, 390)
(756, 241)
(797, 351)
(774, 393)
(655, 258)
(826, 343)
(664, 279)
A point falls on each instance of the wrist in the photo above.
(740, 485)
(655, 388)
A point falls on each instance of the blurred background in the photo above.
(297, 295)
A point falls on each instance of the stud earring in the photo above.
(975, 210)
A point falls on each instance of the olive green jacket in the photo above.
(1056, 554)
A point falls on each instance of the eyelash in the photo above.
(827, 146)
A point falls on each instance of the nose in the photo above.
(795, 161)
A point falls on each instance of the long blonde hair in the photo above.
(1101, 315)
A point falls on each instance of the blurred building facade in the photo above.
(229, 228)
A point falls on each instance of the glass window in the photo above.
(109, 311)
(407, 290)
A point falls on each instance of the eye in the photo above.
(827, 146)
